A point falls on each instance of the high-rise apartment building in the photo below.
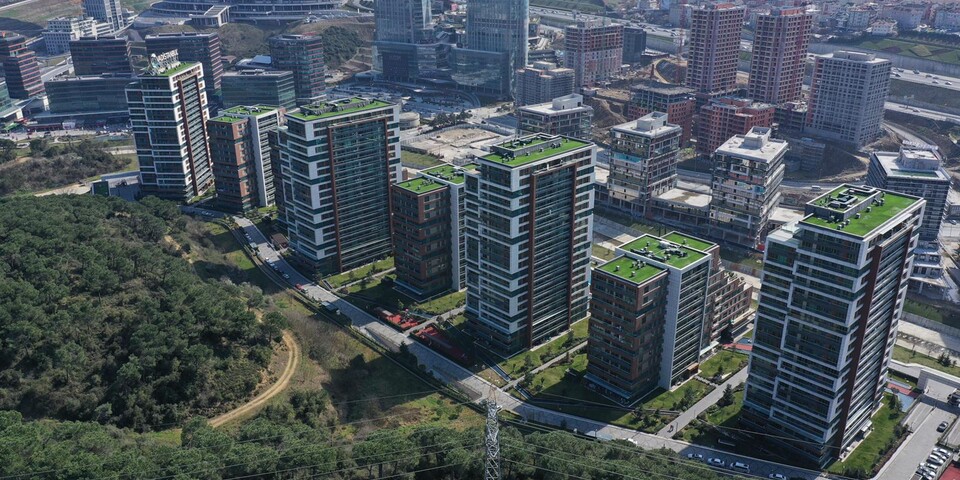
(302, 55)
(193, 47)
(428, 231)
(647, 315)
(338, 160)
(259, 87)
(831, 301)
(240, 155)
(108, 11)
(634, 44)
(677, 102)
(916, 171)
(714, 48)
(722, 118)
(101, 55)
(567, 116)
(19, 65)
(847, 95)
(779, 55)
(168, 111)
(643, 162)
(594, 51)
(529, 229)
(541, 83)
(747, 172)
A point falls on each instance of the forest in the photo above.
(54, 165)
(100, 323)
(280, 444)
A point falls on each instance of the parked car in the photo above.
(695, 456)
(942, 427)
(740, 467)
(716, 462)
(777, 476)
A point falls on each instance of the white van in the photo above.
(740, 467)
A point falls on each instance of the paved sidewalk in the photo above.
(706, 402)
(937, 339)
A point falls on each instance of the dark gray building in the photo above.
(259, 87)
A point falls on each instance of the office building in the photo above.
(779, 58)
(101, 55)
(258, 87)
(19, 66)
(916, 171)
(496, 47)
(90, 98)
(714, 48)
(240, 156)
(61, 31)
(168, 112)
(541, 83)
(246, 10)
(677, 102)
(594, 51)
(722, 118)
(647, 315)
(529, 231)
(643, 162)
(404, 44)
(831, 301)
(567, 116)
(847, 95)
(302, 55)
(107, 11)
(429, 244)
(634, 44)
(747, 172)
(338, 160)
(193, 47)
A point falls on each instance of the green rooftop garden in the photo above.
(692, 242)
(449, 172)
(226, 119)
(179, 68)
(657, 253)
(626, 268)
(345, 107)
(893, 204)
(566, 145)
(421, 185)
(241, 110)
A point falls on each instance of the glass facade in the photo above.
(259, 87)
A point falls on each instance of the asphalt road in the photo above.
(924, 419)
(934, 80)
(921, 112)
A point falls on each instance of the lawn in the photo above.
(561, 388)
(521, 364)
(923, 310)
(724, 363)
(866, 457)
(905, 355)
(586, 6)
(912, 382)
(340, 279)
(418, 160)
(30, 19)
(911, 48)
(443, 304)
(702, 431)
(631, 222)
(602, 252)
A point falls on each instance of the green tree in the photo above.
(728, 398)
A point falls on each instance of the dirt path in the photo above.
(293, 361)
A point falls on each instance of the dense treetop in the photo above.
(99, 322)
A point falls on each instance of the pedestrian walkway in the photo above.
(706, 402)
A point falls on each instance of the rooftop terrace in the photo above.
(249, 110)
(665, 251)
(450, 173)
(630, 269)
(692, 242)
(855, 210)
(421, 185)
(533, 148)
(320, 111)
